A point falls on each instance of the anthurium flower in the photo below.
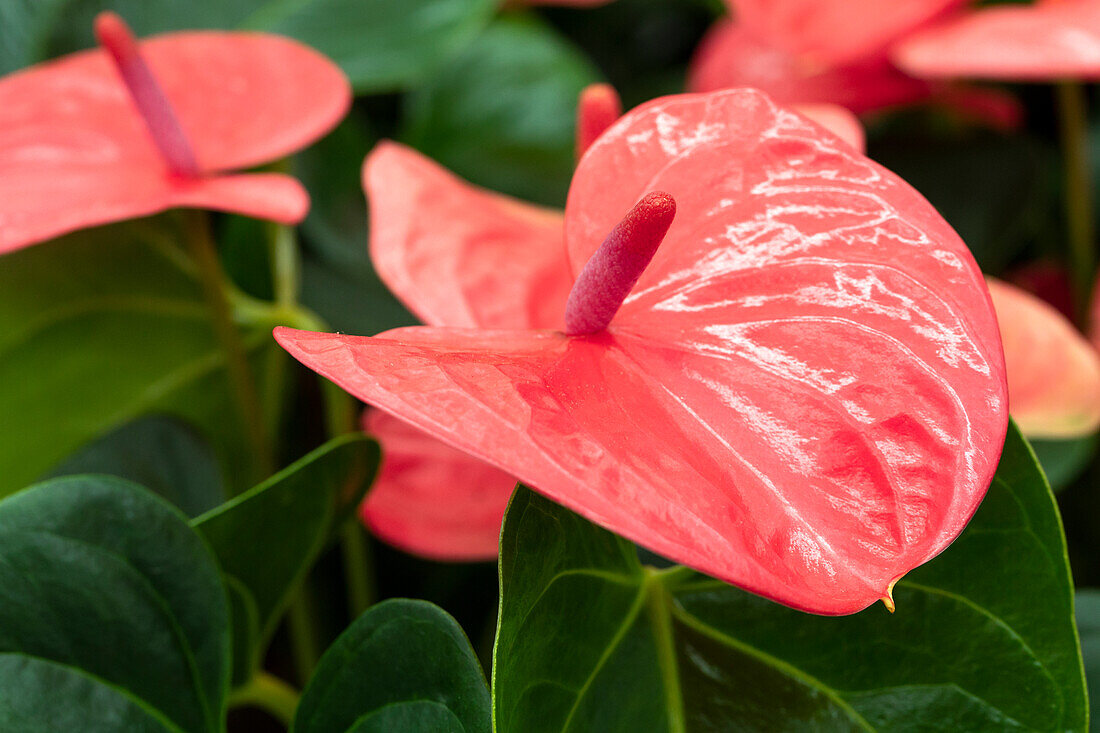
(803, 393)
(835, 32)
(812, 51)
(1053, 372)
(457, 255)
(1049, 39)
(135, 128)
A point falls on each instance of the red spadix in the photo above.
(118, 40)
(606, 281)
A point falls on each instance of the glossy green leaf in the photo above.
(382, 45)
(995, 191)
(102, 327)
(402, 667)
(161, 453)
(1088, 624)
(338, 280)
(983, 637)
(502, 113)
(112, 613)
(267, 538)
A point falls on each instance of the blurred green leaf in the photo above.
(382, 45)
(502, 113)
(1088, 623)
(24, 27)
(995, 191)
(112, 613)
(162, 454)
(338, 281)
(267, 538)
(402, 667)
(1065, 460)
(983, 637)
(99, 328)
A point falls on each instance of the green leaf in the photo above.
(24, 25)
(267, 538)
(983, 637)
(1088, 623)
(99, 328)
(994, 190)
(112, 613)
(402, 667)
(162, 454)
(338, 280)
(382, 45)
(502, 113)
(1064, 460)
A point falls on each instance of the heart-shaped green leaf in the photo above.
(402, 667)
(501, 114)
(983, 637)
(99, 328)
(162, 454)
(267, 538)
(382, 45)
(112, 613)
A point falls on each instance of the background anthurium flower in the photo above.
(834, 32)
(830, 51)
(76, 152)
(1050, 39)
(457, 255)
(732, 55)
(804, 395)
(1053, 372)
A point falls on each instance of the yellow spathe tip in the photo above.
(888, 599)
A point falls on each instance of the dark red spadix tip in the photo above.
(119, 42)
(597, 109)
(613, 270)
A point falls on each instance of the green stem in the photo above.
(358, 568)
(282, 248)
(302, 629)
(270, 694)
(1073, 120)
(243, 385)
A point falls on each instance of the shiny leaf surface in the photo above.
(112, 614)
(267, 538)
(402, 667)
(591, 640)
(74, 153)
